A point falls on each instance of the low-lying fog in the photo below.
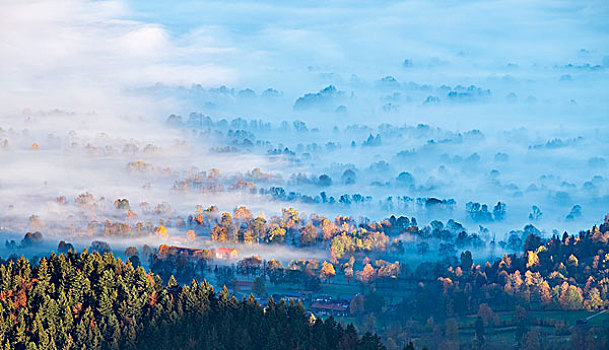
(395, 102)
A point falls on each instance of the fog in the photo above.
(476, 101)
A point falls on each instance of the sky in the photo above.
(113, 46)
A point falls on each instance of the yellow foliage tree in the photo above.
(532, 259)
(219, 233)
(327, 271)
(366, 275)
(545, 292)
(161, 232)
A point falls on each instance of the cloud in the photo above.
(86, 55)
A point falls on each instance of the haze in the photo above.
(499, 101)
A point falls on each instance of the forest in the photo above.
(521, 298)
(93, 301)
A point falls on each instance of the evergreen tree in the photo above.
(92, 301)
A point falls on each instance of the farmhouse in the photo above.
(290, 296)
(227, 253)
(336, 309)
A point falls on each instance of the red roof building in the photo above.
(338, 309)
(227, 253)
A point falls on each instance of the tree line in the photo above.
(92, 301)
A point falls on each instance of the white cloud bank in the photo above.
(86, 55)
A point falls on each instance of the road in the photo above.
(590, 317)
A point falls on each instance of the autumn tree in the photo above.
(327, 271)
(308, 235)
(570, 297)
(191, 235)
(366, 275)
(276, 234)
(131, 251)
(161, 232)
(219, 233)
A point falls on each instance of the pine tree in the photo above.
(129, 309)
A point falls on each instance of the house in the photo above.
(289, 296)
(336, 308)
(322, 298)
(227, 253)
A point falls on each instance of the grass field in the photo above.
(503, 334)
